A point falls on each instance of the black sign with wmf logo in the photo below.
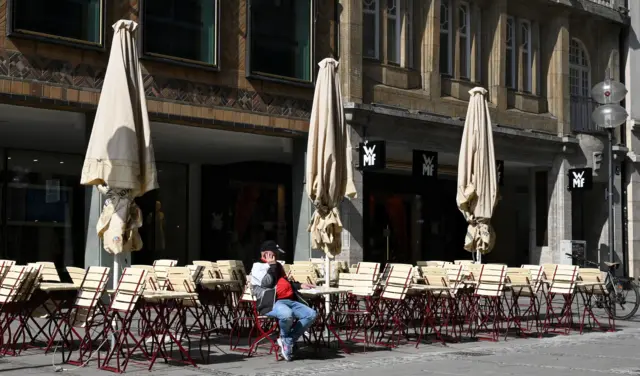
(500, 172)
(425, 164)
(580, 179)
(373, 155)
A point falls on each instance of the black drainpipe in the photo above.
(622, 46)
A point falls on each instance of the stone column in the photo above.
(351, 211)
(632, 76)
(351, 49)
(559, 223)
(496, 26)
(94, 253)
(633, 218)
(556, 44)
(194, 213)
(430, 46)
(302, 208)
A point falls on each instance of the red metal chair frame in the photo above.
(487, 310)
(118, 321)
(562, 283)
(260, 327)
(88, 313)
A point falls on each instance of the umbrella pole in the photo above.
(327, 297)
(478, 257)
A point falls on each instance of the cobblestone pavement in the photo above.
(589, 354)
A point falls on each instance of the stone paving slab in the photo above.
(589, 354)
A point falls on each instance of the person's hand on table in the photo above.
(307, 286)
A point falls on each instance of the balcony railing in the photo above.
(581, 109)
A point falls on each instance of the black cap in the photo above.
(272, 246)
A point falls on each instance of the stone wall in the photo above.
(41, 73)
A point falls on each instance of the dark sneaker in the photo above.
(284, 350)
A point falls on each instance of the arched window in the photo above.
(579, 69)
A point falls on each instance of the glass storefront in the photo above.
(43, 208)
(165, 212)
(43, 216)
(406, 221)
(244, 204)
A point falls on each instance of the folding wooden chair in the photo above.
(431, 263)
(537, 276)
(86, 315)
(440, 297)
(76, 274)
(197, 273)
(232, 270)
(5, 265)
(522, 287)
(22, 307)
(590, 285)
(486, 307)
(10, 304)
(303, 273)
(562, 283)
(179, 278)
(260, 327)
(152, 282)
(355, 315)
(160, 267)
(210, 269)
(124, 306)
(392, 313)
(369, 268)
(49, 271)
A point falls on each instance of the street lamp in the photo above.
(609, 115)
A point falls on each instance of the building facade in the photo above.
(407, 68)
(631, 160)
(229, 87)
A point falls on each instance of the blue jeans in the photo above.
(285, 311)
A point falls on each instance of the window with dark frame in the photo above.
(281, 39)
(181, 29)
(370, 29)
(75, 21)
(512, 80)
(446, 55)
(464, 33)
(527, 55)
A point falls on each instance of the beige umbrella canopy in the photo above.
(329, 174)
(477, 179)
(120, 159)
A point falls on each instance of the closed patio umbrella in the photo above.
(477, 180)
(120, 159)
(329, 173)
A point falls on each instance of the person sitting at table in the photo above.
(278, 297)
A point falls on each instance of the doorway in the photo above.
(244, 204)
(407, 221)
